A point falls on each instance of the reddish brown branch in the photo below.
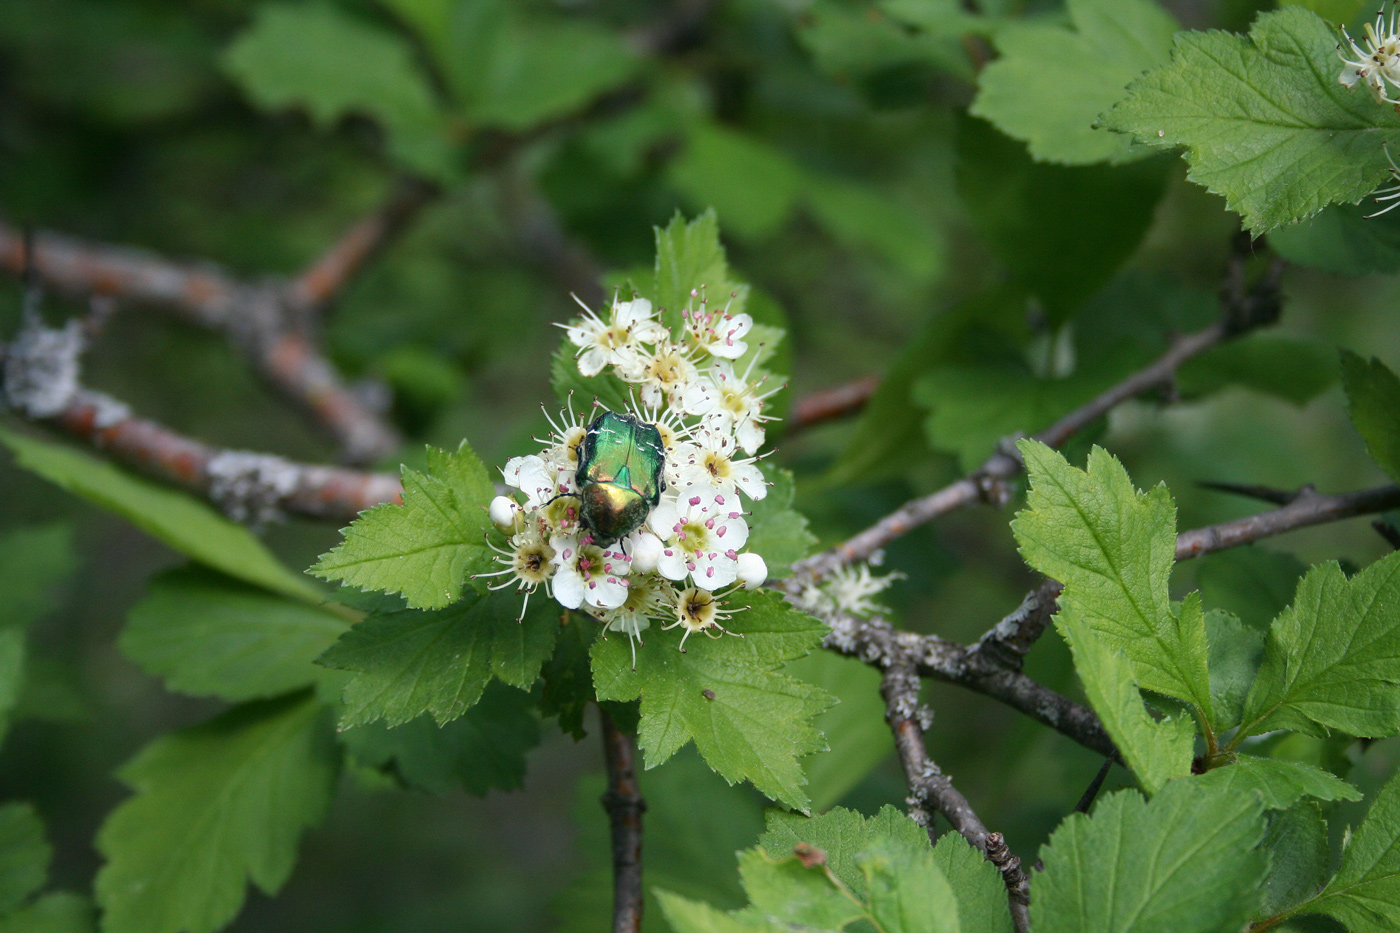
(625, 806)
(327, 277)
(833, 403)
(929, 787)
(39, 376)
(261, 319)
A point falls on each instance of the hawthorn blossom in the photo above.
(1378, 63)
(587, 574)
(714, 462)
(699, 610)
(738, 405)
(714, 331)
(702, 531)
(529, 563)
(616, 341)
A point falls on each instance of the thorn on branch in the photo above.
(1387, 531)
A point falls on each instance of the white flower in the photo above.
(1376, 64)
(850, 589)
(588, 574)
(699, 610)
(617, 341)
(702, 531)
(567, 434)
(713, 463)
(541, 480)
(664, 374)
(648, 597)
(738, 407)
(1388, 194)
(504, 511)
(716, 331)
(528, 564)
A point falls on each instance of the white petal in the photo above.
(731, 534)
(568, 587)
(502, 512)
(752, 569)
(750, 436)
(699, 396)
(645, 549)
(592, 361)
(749, 478)
(671, 563)
(605, 592)
(711, 573)
(664, 518)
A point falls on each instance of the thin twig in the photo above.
(1262, 493)
(326, 278)
(625, 806)
(929, 787)
(1389, 532)
(1243, 309)
(1010, 640)
(1087, 800)
(1308, 508)
(259, 318)
(830, 404)
(39, 381)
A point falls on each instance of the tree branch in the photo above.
(39, 375)
(263, 320)
(830, 404)
(1307, 508)
(625, 806)
(930, 787)
(324, 280)
(1243, 309)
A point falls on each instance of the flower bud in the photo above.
(502, 512)
(752, 570)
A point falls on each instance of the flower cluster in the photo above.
(687, 553)
(1378, 63)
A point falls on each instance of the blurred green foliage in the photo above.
(887, 230)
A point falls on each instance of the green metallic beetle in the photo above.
(621, 464)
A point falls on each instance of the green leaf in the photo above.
(1365, 892)
(1046, 223)
(185, 524)
(24, 854)
(1373, 396)
(1113, 548)
(687, 916)
(205, 634)
(1263, 119)
(1332, 659)
(1185, 862)
(1280, 784)
(689, 255)
(842, 834)
(1235, 652)
(976, 884)
(57, 912)
(863, 217)
(1342, 240)
(1049, 84)
(424, 549)
(216, 805)
(33, 561)
(516, 71)
(854, 727)
(12, 679)
(1296, 371)
(1156, 752)
(750, 182)
(331, 64)
(482, 750)
(777, 532)
(568, 677)
(408, 662)
(852, 42)
(907, 892)
(748, 721)
(791, 894)
(1301, 857)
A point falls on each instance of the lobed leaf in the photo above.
(1280, 784)
(216, 805)
(1332, 658)
(1049, 84)
(1263, 119)
(205, 634)
(408, 662)
(424, 549)
(1373, 396)
(1365, 892)
(1114, 548)
(1185, 862)
(749, 721)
